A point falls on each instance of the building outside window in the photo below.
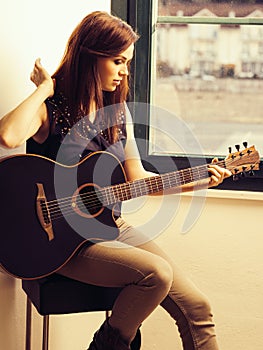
(210, 74)
(198, 66)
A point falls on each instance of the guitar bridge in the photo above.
(43, 212)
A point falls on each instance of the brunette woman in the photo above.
(81, 109)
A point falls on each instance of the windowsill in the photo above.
(228, 194)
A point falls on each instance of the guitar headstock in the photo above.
(242, 161)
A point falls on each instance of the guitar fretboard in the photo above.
(150, 185)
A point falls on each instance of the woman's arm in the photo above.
(135, 170)
(29, 118)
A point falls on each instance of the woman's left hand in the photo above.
(217, 174)
(40, 76)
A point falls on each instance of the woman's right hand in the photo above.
(40, 76)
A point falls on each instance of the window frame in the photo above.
(141, 15)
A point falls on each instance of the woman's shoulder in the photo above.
(58, 111)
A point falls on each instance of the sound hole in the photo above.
(89, 200)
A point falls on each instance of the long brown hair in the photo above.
(99, 34)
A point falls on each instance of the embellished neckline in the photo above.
(84, 127)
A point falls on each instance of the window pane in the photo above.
(209, 76)
(204, 8)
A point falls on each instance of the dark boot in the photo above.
(108, 338)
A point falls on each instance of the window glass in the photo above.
(207, 75)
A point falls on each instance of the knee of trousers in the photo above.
(160, 275)
(200, 310)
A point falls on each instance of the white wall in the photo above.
(30, 29)
(222, 253)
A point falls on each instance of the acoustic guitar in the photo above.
(49, 210)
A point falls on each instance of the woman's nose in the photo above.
(124, 71)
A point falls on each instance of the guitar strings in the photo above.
(94, 200)
(93, 194)
(97, 199)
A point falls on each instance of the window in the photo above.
(199, 69)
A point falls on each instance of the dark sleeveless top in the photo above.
(69, 144)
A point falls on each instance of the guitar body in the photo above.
(32, 249)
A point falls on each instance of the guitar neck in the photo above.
(150, 185)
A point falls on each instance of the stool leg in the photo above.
(45, 332)
(28, 323)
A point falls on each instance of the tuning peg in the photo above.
(245, 144)
(235, 177)
(251, 171)
(243, 172)
(237, 147)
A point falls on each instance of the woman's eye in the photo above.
(118, 61)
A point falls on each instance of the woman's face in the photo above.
(113, 69)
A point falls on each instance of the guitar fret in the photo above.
(176, 180)
(181, 177)
(144, 188)
(188, 175)
(139, 188)
(133, 187)
(117, 193)
(107, 199)
(173, 181)
(158, 183)
(149, 186)
(167, 181)
(134, 190)
(197, 174)
(112, 197)
(114, 188)
(109, 196)
(125, 191)
(121, 192)
(129, 190)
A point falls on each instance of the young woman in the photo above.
(91, 82)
